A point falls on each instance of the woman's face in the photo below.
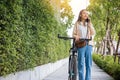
(84, 15)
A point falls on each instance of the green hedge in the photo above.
(28, 35)
(108, 65)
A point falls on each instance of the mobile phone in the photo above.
(87, 20)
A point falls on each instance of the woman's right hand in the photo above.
(77, 38)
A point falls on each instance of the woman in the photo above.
(83, 29)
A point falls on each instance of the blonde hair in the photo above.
(79, 17)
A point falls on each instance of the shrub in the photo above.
(107, 64)
(28, 35)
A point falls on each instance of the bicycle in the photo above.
(72, 66)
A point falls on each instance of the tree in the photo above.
(66, 13)
(106, 17)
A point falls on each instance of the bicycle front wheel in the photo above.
(72, 68)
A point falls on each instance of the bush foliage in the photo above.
(28, 35)
(107, 64)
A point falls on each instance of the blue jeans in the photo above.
(85, 53)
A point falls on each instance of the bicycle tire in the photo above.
(72, 68)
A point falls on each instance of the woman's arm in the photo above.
(75, 30)
(92, 30)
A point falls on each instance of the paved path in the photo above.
(62, 74)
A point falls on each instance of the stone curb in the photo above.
(38, 73)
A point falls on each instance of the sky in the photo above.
(77, 6)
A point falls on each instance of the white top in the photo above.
(83, 30)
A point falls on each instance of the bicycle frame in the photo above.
(72, 67)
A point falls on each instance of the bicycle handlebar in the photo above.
(65, 38)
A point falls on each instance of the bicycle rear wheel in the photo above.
(72, 68)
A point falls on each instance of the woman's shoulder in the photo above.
(77, 23)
